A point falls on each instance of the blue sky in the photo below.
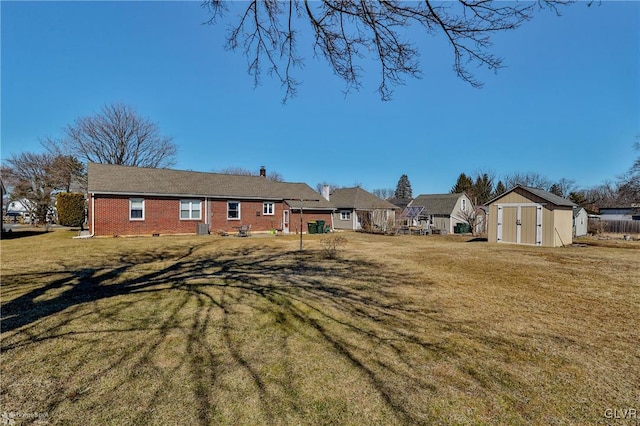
(566, 106)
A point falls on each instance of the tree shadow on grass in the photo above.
(219, 305)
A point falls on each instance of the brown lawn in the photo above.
(395, 330)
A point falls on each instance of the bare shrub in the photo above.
(331, 244)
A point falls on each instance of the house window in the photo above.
(345, 215)
(268, 208)
(136, 209)
(190, 209)
(233, 210)
(463, 204)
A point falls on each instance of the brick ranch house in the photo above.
(125, 201)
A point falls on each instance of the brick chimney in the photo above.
(263, 171)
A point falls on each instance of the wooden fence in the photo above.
(597, 226)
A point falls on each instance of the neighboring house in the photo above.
(145, 201)
(442, 212)
(20, 207)
(620, 213)
(526, 215)
(401, 203)
(357, 209)
(617, 220)
(580, 221)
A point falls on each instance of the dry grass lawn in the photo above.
(396, 330)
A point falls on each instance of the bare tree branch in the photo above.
(118, 135)
(346, 31)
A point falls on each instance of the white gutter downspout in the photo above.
(93, 220)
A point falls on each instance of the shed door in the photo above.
(499, 234)
(520, 224)
(528, 225)
(538, 225)
(509, 224)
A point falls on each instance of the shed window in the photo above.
(136, 209)
(190, 209)
(233, 210)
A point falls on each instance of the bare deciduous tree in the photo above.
(69, 173)
(530, 179)
(384, 193)
(117, 135)
(629, 183)
(332, 186)
(30, 177)
(345, 32)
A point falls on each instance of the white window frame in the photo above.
(228, 210)
(136, 200)
(268, 208)
(345, 215)
(463, 205)
(190, 209)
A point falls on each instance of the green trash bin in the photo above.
(312, 227)
(465, 228)
(320, 226)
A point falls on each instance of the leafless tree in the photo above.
(629, 183)
(530, 179)
(566, 186)
(384, 193)
(332, 186)
(29, 176)
(117, 135)
(347, 31)
(69, 173)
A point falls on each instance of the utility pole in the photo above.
(300, 226)
(302, 200)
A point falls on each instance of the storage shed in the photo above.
(532, 216)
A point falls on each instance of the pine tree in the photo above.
(403, 189)
(500, 189)
(482, 189)
(556, 190)
(463, 184)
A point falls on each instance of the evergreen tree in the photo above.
(463, 184)
(500, 189)
(403, 189)
(482, 189)
(578, 198)
(556, 190)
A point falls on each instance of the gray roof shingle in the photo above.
(359, 199)
(437, 203)
(541, 193)
(126, 180)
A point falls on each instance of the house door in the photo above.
(285, 222)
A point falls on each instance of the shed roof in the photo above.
(541, 193)
(126, 180)
(437, 203)
(359, 199)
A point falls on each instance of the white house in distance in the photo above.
(580, 221)
(442, 212)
